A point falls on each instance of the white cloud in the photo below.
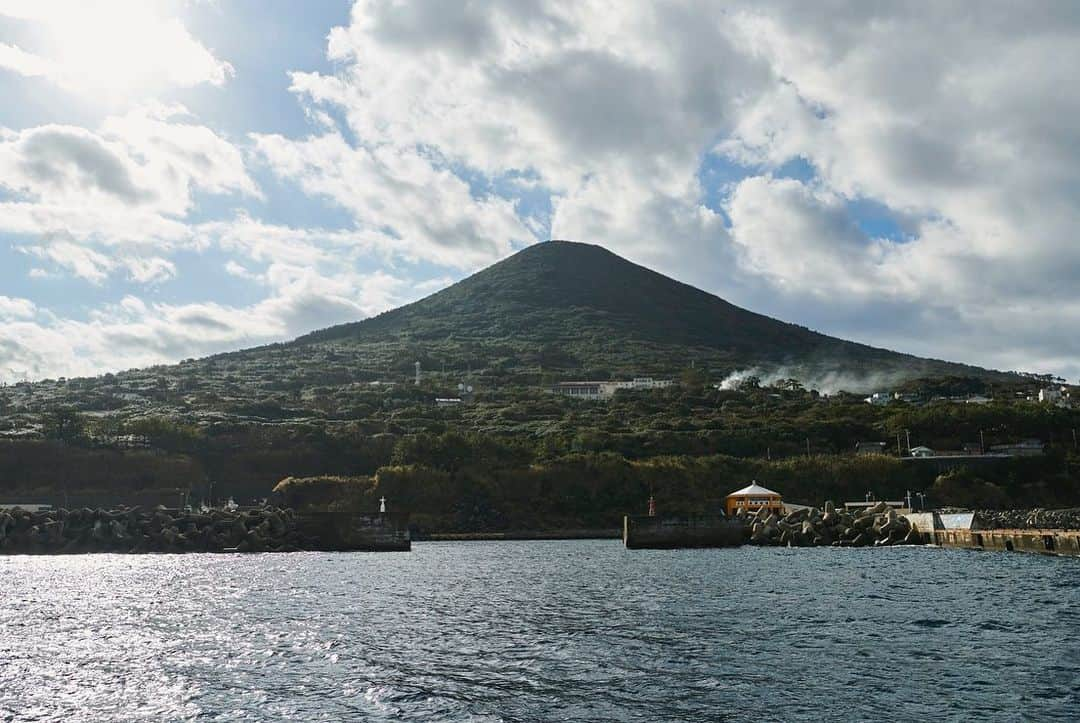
(12, 308)
(134, 333)
(86, 263)
(18, 60)
(803, 238)
(116, 198)
(114, 49)
(143, 159)
(78, 260)
(401, 200)
(610, 111)
(150, 270)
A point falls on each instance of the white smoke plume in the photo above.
(826, 381)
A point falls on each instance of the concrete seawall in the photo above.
(604, 533)
(641, 532)
(962, 531)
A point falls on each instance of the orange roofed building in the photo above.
(754, 498)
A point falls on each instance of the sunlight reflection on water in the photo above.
(538, 631)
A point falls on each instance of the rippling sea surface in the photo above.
(542, 631)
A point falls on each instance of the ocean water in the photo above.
(542, 631)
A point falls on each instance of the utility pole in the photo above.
(808, 443)
(982, 441)
(899, 453)
(908, 433)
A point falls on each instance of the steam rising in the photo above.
(825, 380)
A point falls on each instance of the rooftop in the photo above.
(754, 489)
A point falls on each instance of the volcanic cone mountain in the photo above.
(578, 308)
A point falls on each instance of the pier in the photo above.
(642, 532)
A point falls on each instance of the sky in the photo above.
(180, 178)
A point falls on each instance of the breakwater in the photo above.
(138, 530)
(878, 526)
(810, 527)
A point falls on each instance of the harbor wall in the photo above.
(603, 533)
(642, 532)
(962, 531)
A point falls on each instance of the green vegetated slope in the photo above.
(567, 306)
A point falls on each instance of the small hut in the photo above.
(754, 498)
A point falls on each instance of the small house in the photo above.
(1025, 448)
(869, 448)
(753, 498)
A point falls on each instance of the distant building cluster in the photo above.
(1023, 448)
(883, 398)
(606, 390)
(1057, 396)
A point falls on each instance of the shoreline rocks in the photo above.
(876, 526)
(137, 530)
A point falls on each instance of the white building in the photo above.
(606, 390)
(1052, 396)
(579, 390)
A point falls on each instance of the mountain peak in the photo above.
(578, 306)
